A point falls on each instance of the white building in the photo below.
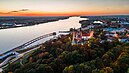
(98, 22)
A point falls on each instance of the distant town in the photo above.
(112, 26)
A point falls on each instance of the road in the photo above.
(16, 57)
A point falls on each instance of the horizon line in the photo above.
(63, 15)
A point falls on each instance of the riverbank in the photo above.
(16, 53)
(15, 22)
(23, 46)
(62, 24)
(21, 52)
(17, 36)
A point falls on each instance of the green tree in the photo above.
(44, 68)
(106, 70)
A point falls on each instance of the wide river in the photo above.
(11, 38)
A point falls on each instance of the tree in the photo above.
(96, 71)
(98, 63)
(66, 69)
(44, 68)
(106, 70)
(123, 61)
(12, 67)
(31, 71)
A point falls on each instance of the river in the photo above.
(11, 38)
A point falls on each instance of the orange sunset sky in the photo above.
(63, 7)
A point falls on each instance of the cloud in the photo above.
(13, 11)
(16, 11)
(19, 10)
(24, 10)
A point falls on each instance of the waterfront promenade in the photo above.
(13, 51)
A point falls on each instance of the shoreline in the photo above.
(32, 24)
(14, 48)
(28, 26)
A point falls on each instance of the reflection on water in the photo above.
(10, 38)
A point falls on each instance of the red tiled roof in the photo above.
(85, 34)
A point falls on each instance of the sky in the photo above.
(63, 7)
